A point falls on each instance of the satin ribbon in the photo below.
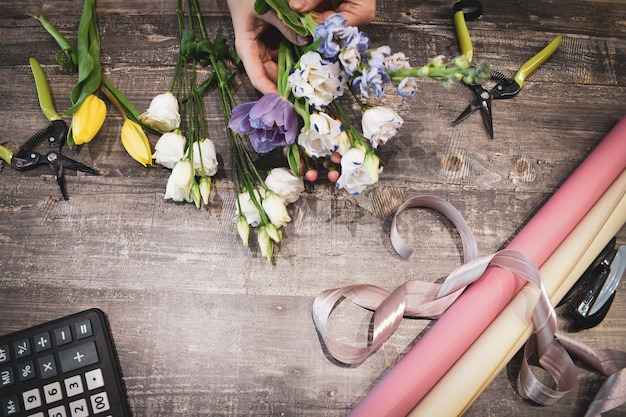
(418, 299)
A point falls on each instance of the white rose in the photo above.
(317, 80)
(358, 170)
(179, 184)
(204, 156)
(380, 124)
(285, 184)
(323, 138)
(162, 114)
(169, 149)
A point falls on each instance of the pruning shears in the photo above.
(590, 299)
(54, 134)
(505, 87)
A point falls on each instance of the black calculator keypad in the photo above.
(63, 368)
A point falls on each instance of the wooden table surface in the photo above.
(206, 326)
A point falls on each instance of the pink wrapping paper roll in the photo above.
(455, 331)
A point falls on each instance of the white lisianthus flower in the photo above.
(323, 138)
(162, 114)
(407, 88)
(170, 149)
(275, 209)
(358, 170)
(397, 62)
(248, 209)
(350, 59)
(282, 182)
(179, 184)
(380, 124)
(204, 156)
(317, 80)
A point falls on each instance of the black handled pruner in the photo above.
(54, 134)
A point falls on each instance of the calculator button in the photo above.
(73, 386)
(21, 348)
(42, 342)
(10, 406)
(26, 371)
(78, 356)
(79, 408)
(100, 403)
(6, 377)
(47, 366)
(32, 399)
(52, 392)
(94, 379)
(4, 354)
(83, 329)
(57, 412)
(62, 335)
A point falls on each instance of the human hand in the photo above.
(356, 12)
(256, 44)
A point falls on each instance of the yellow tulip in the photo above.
(136, 142)
(88, 119)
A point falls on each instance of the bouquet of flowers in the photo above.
(307, 118)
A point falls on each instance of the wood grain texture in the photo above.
(205, 326)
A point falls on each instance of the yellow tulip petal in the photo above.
(136, 142)
(88, 119)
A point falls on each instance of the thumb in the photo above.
(303, 5)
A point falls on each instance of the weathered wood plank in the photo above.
(205, 326)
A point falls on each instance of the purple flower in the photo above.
(269, 122)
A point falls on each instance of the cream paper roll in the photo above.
(497, 345)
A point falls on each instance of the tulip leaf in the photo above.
(89, 68)
(67, 57)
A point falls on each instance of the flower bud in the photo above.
(136, 142)
(88, 119)
(243, 229)
(273, 232)
(205, 189)
(265, 243)
(195, 194)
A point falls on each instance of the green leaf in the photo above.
(290, 18)
(67, 57)
(293, 157)
(261, 7)
(188, 43)
(89, 65)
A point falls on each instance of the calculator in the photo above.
(63, 368)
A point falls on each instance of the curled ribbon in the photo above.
(419, 299)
